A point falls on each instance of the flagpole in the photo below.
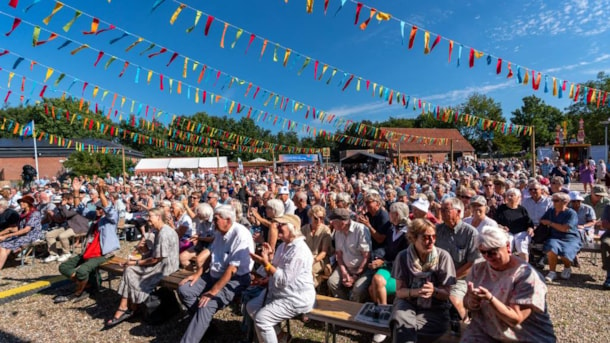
(35, 149)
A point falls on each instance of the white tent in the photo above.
(152, 165)
(213, 162)
(184, 163)
(258, 159)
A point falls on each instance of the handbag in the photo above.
(160, 306)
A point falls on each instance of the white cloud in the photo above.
(581, 17)
(460, 95)
(372, 107)
(578, 65)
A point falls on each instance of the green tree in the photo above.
(543, 117)
(591, 113)
(83, 163)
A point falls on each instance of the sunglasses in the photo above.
(556, 200)
(533, 189)
(489, 253)
(465, 197)
(428, 237)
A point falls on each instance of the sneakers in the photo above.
(550, 277)
(566, 273)
(51, 258)
(378, 338)
(64, 257)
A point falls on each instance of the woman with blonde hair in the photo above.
(318, 239)
(424, 275)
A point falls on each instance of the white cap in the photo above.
(575, 196)
(283, 190)
(421, 204)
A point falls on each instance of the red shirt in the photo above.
(94, 248)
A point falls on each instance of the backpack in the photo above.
(160, 306)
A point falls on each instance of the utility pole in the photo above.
(533, 149)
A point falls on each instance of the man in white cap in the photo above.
(284, 195)
(420, 209)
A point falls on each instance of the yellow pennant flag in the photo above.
(426, 42)
(58, 6)
(286, 56)
(186, 63)
(237, 35)
(176, 13)
(10, 77)
(95, 90)
(150, 73)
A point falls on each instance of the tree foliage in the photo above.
(543, 117)
(83, 163)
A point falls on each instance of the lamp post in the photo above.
(605, 123)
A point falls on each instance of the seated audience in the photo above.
(229, 273)
(424, 275)
(204, 235)
(564, 241)
(478, 210)
(514, 218)
(29, 229)
(383, 283)
(351, 278)
(290, 290)
(318, 239)
(142, 276)
(101, 243)
(506, 296)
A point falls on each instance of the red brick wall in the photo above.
(47, 166)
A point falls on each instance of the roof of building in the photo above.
(16, 147)
(460, 144)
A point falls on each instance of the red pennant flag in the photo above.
(471, 58)
(7, 95)
(208, 24)
(358, 8)
(499, 66)
(348, 82)
(16, 23)
(4, 52)
(124, 68)
(13, 3)
(412, 36)
(510, 71)
(436, 41)
(161, 81)
(450, 50)
(252, 36)
(51, 37)
(325, 6)
(44, 88)
(172, 59)
(99, 57)
(111, 27)
(157, 53)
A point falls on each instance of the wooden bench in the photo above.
(114, 269)
(593, 249)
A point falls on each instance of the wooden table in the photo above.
(338, 312)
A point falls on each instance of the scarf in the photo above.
(415, 264)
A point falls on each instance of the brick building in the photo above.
(15, 153)
(413, 152)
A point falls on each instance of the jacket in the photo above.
(107, 226)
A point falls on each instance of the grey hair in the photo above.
(402, 210)
(3, 204)
(513, 191)
(456, 204)
(561, 196)
(301, 196)
(492, 237)
(276, 206)
(226, 212)
(166, 203)
(204, 211)
(345, 197)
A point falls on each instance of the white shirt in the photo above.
(289, 207)
(186, 220)
(352, 244)
(232, 249)
(293, 278)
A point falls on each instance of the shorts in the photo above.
(459, 289)
(390, 282)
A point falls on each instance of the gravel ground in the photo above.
(579, 308)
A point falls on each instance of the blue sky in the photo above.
(565, 39)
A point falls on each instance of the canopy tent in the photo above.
(364, 162)
(162, 165)
(213, 162)
(183, 163)
(152, 165)
(258, 159)
(364, 157)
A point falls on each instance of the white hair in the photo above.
(492, 237)
(276, 206)
(226, 212)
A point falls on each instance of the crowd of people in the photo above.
(449, 246)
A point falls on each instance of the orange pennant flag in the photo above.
(426, 42)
